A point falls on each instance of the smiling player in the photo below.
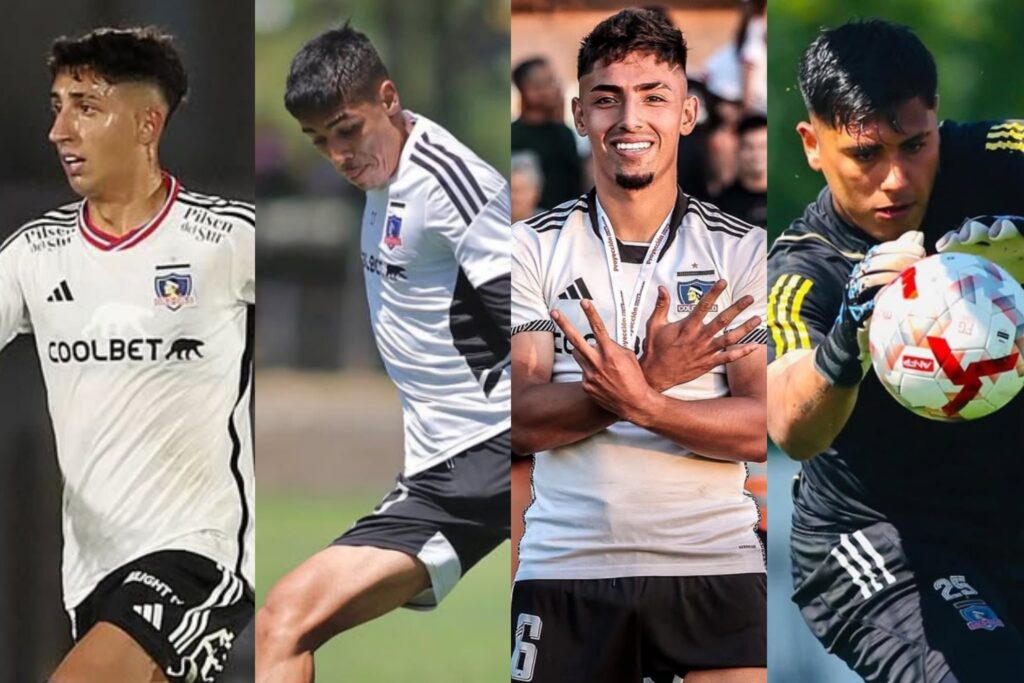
(639, 557)
(140, 323)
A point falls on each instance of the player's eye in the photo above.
(349, 132)
(914, 146)
(864, 154)
(319, 141)
(86, 109)
(656, 98)
(606, 100)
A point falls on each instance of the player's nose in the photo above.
(896, 177)
(632, 119)
(61, 130)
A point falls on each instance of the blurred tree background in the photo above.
(445, 55)
(976, 46)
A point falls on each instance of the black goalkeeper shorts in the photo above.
(903, 609)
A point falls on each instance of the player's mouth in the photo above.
(631, 147)
(72, 164)
(894, 211)
(353, 174)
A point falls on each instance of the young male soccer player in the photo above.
(907, 557)
(435, 248)
(640, 557)
(137, 297)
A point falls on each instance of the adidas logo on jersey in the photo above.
(154, 614)
(576, 291)
(61, 293)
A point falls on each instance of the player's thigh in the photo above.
(343, 586)
(749, 675)
(107, 653)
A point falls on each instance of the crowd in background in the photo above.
(723, 161)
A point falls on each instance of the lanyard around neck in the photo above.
(627, 310)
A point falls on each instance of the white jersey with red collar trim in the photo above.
(430, 238)
(626, 501)
(148, 368)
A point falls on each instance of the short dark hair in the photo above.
(632, 30)
(866, 69)
(139, 54)
(751, 122)
(523, 69)
(336, 68)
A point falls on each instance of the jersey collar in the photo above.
(629, 253)
(107, 242)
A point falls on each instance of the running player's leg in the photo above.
(336, 589)
(106, 653)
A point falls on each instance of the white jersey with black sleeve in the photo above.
(625, 501)
(431, 238)
(147, 359)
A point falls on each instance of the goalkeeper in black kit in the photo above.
(907, 547)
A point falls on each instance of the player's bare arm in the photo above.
(729, 428)
(547, 415)
(807, 412)
(815, 390)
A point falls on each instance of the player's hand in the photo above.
(611, 373)
(1000, 239)
(843, 357)
(676, 353)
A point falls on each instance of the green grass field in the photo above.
(464, 641)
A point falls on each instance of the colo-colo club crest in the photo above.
(174, 288)
(393, 224)
(690, 293)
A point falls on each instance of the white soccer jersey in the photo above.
(625, 501)
(435, 233)
(147, 364)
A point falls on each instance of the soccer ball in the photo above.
(947, 337)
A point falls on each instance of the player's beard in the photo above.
(633, 182)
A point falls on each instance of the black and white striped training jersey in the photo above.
(147, 363)
(431, 238)
(626, 501)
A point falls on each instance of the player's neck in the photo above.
(637, 214)
(118, 212)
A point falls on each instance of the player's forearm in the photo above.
(807, 412)
(727, 428)
(546, 416)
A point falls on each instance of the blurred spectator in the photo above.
(738, 71)
(273, 176)
(541, 130)
(722, 150)
(526, 184)
(753, 53)
(747, 198)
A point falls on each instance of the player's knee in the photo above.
(280, 624)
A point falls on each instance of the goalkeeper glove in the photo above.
(843, 357)
(1000, 239)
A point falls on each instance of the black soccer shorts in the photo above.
(183, 609)
(623, 630)
(449, 517)
(902, 609)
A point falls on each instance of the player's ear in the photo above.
(691, 109)
(388, 94)
(809, 138)
(151, 122)
(577, 117)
